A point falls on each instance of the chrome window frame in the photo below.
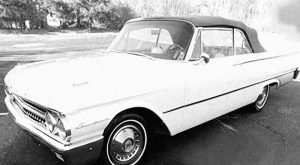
(198, 33)
(190, 48)
(219, 28)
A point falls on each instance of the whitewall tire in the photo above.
(126, 141)
(260, 102)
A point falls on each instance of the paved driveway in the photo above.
(269, 137)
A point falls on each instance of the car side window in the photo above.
(217, 42)
(241, 44)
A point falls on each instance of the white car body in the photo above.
(90, 90)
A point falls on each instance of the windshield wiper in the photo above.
(141, 54)
(134, 53)
(115, 51)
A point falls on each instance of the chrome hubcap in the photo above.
(127, 144)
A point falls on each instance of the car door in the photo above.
(214, 88)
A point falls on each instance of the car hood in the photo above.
(69, 84)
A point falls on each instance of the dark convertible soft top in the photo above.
(211, 21)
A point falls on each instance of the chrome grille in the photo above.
(35, 105)
(33, 112)
(33, 116)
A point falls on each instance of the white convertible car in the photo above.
(159, 75)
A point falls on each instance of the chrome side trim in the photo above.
(229, 92)
(262, 59)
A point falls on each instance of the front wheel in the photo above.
(260, 103)
(127, 140)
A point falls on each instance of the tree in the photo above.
(13, 12)
(43, 8)
(93, 9)
(18, 11)
(117, 16)
(64, 11)
(80, 12)
(70, 12)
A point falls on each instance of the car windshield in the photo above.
(158, 39)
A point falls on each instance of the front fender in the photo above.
(91, 122)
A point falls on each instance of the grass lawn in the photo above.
(51, 42)
(41, 45)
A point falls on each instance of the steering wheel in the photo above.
(174, 51)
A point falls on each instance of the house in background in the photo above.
(53, 21)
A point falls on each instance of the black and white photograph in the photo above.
(149, 82)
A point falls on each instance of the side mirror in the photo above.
(205, 57)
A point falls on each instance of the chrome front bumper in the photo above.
(79, 153)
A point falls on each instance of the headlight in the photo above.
(51, 121)
(55, 125)
(61, 131)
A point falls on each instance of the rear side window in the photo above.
(241, 43)
(217, 42)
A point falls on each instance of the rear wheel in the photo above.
(260, 103)
(126, 140)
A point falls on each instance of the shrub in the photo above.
(117, 16)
